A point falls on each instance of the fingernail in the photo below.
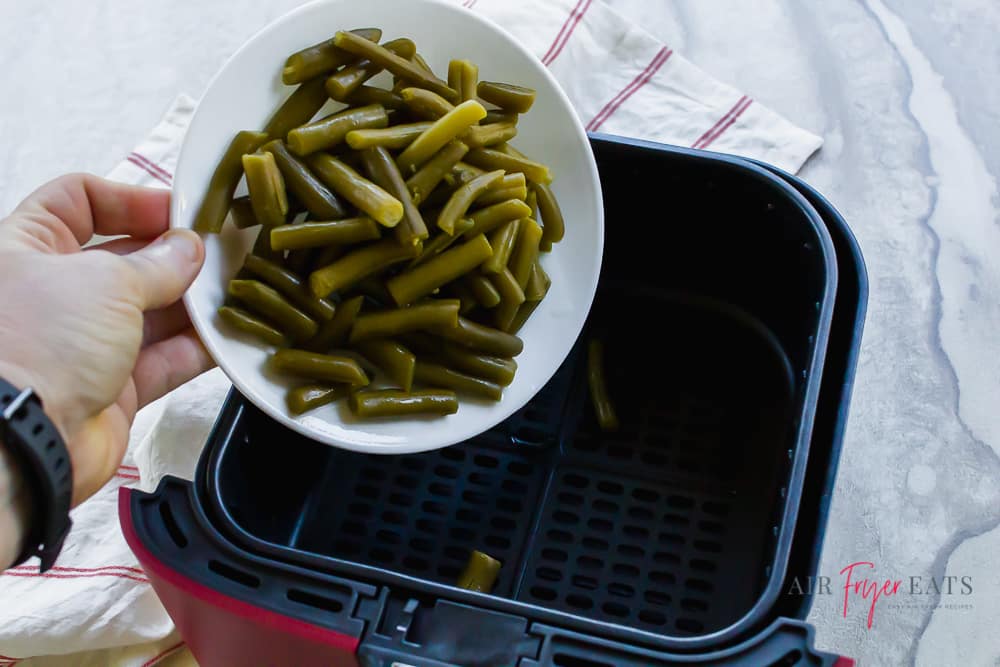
(183, 242)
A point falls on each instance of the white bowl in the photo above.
(248, 89)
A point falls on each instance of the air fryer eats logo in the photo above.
(862, 591)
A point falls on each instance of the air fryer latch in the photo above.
(416, 633)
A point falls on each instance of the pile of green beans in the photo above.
(400, 237)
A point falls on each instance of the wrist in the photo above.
(15, 507)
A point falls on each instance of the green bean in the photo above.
(395, 64)
(481, 287)
(604, 409)
(316, 197)
(525, 252)
(311, 396)
(491, 158)
(482, 338)
(466, 299)
(495, 369)
(511, 187)
(382, 170)
(267, 188)
(523, 313)
(480, 136)
(422, 183)
(358, 265)
(444, 129)
(430, 315)
(267, 302)
(419, 61)
(394, 403)
(333, 333)
(511, 297)
(551, 216)
(532, 201)
(435, 375)
(421, 280)
(507, 96)
(340, 85)
(538, 283)
(322, 367)
(462, 173)
(366, 95)
(321, 58)
(439, 244)
(487, 219)
(397, 136)
(395, 360)
(215, 203)
(243, 321)
(299, 108)
(352, 186)
(502, 240)
(331, 130)
(480, 573)
(262, 246)
(324, 233)
(290, 286)
(425, 104)
(462, 76)
(498, 116)
(242, 213)
(459, 202)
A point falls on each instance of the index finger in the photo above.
(75, 207)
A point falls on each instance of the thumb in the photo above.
(163, 270)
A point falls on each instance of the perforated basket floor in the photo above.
(666, 525)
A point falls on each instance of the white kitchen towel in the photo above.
(620, 80)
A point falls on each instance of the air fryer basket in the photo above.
(714, 306)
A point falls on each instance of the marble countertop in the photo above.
(904, 93)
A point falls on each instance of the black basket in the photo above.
(674, 533)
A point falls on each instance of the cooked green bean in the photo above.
(222, 186)
(267, 189)
(321, 58)
(444, 129)
(523, 313)
(462, 76)
(425, 104)
(395, 64)
(262, 246)
(331, 130)
(325, 233)
(300, 106)
(311, 396)
(358, 265)
(499, 116)
(340, 85)
(316, 197)
(435, 375)
(466, 299)
(439, 243)
(422, 183)
(421, 280)
(525, 251)
(511, 293)
(394, 403)
(322, 367)
(480, 573)
(290, 286)
(243, 321)
(482, 338)
(355, 188)
(392, 358)
(242, 213)
(532, 201)
(419, 61)
(490, 135)
(459, 202)
(507, 96)
(511, 187)
(436, 315)
(538, 283)
(395, 137)
(382, 170)
(267, 302)
(495, 369)
(462, 173)
(502, 240)
(333, 333)
(604, 409)
(481, 287)
(366, 95)
(485, 220)
(552, 217)
(491, 158)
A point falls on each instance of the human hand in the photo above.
(98, 332)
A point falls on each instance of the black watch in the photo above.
(42, 458)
